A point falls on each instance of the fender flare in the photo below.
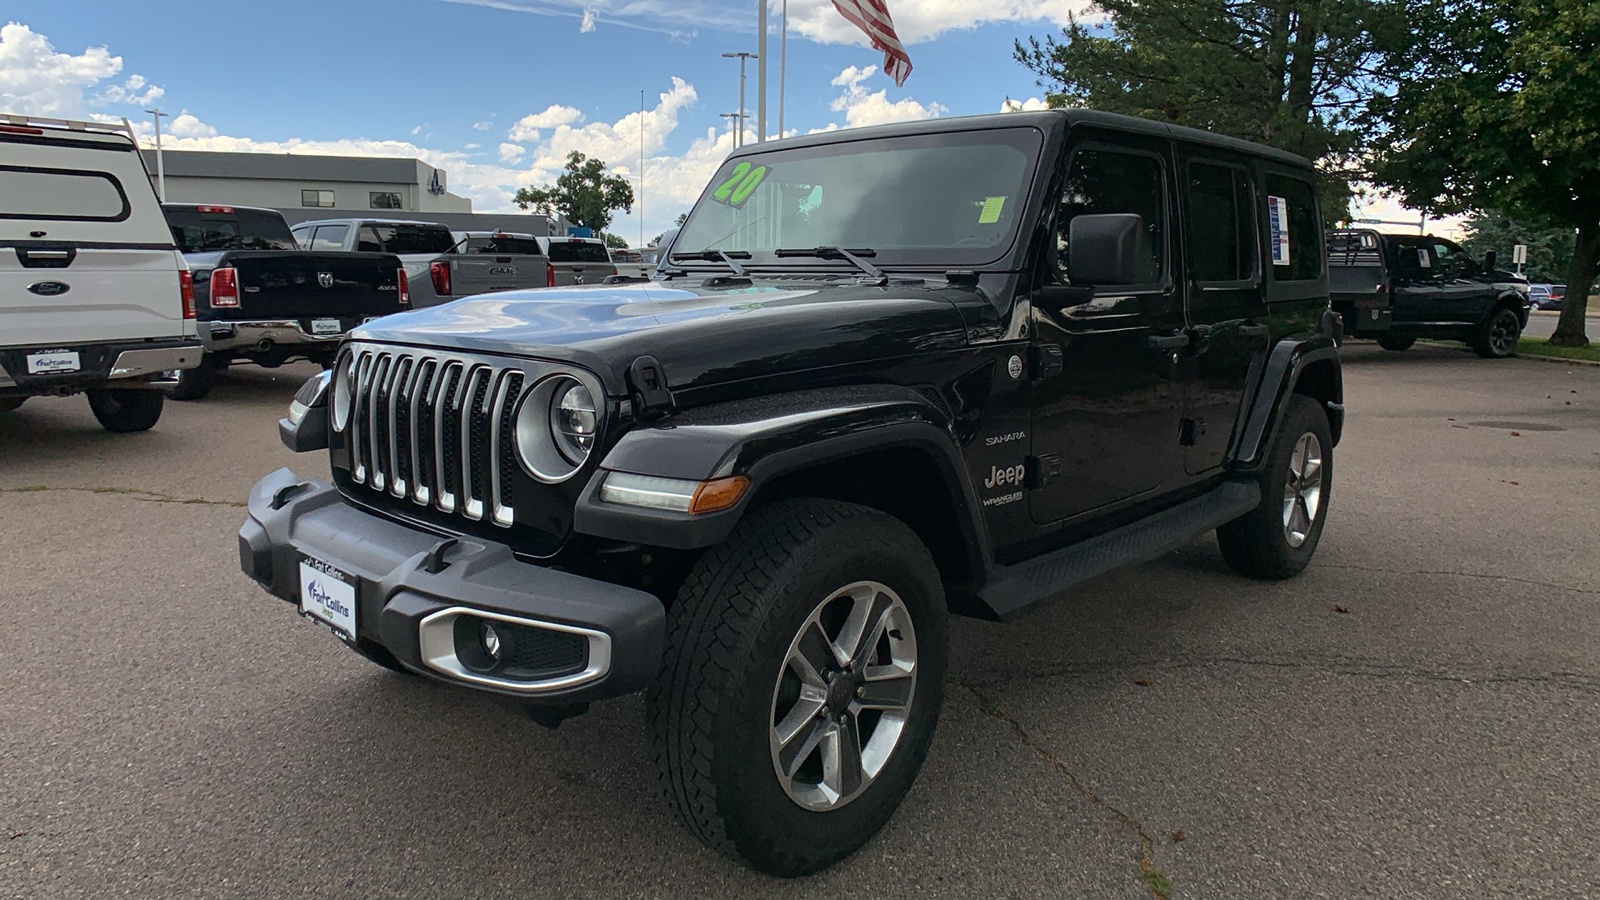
(1280, 372)
(766, 438)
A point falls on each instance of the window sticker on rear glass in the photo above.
(1278, 217)
(740, 185)
(991, 210)
(1422, 258)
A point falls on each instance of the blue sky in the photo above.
(496, 91)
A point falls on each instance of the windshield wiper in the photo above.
(851, 256)
(725, 257)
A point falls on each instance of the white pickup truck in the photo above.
(94, 296)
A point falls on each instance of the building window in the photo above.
(317, 198)
(385, 199)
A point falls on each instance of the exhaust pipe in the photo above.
(265, 346)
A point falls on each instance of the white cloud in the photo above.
(529, 126)
(480, 126)
(1398, 218)
(418, 129)
(1029, 105)
(915, 21)
(36, 80)
(187, 126)
(862, 107)
(587, 25)
(511, 153)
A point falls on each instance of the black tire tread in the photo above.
(1480, 340)
(716, 611)
(1253, 544)
(114, 412)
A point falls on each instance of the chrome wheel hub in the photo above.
(1302, 491)
(843, 696)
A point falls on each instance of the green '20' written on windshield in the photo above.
(740, 185)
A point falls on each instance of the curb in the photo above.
(1557, 359)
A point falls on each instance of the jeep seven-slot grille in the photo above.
(435, 430)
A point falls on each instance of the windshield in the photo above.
(950, 199)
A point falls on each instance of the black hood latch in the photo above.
(647, 383)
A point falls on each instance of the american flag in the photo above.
(872, 17)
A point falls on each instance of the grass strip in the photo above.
(1540, 347)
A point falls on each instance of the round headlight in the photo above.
(572, 421)
(342, 394)
(557, 426)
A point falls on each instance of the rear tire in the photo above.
(126, 410)
(1498, 337)
(1277, 539)
(195, 383)
(780, 764)
(10, 404)
(1397, 344)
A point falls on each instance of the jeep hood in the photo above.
(701, 334)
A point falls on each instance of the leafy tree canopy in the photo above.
(1497, 105)
(583, 193)
(1549, 249)
(1293, 74)
(614, 241)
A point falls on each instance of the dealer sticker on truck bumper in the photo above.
(328, 596)
(53, 362)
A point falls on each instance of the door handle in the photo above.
(1255, 331)
(1168, 341)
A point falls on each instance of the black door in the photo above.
(1106, 426)
(1226, 303)
(1462, 293)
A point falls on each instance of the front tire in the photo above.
(1498, 337)
(1396, 344)
(126, 410)
(801, 685)
(1277, 539)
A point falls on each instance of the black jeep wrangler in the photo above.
(1395, 288)
(889, 374)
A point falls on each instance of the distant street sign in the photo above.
(1519, 254)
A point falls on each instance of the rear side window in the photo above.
(1294, 229)
(329, 237)
(61, 195)
(578, 251)
(1222, 226)
(406, 239)
(200, 232)
(1107, 181)
(502, 244)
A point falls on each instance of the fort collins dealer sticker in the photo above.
(1278, 218)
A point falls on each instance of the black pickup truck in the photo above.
(1396, 288)
(258, 297)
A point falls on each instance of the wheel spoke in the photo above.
(804, 710)
(865, 625)
(813, 655)
(887, 687)
(1312, 472)
(793, 754)
(841, 757)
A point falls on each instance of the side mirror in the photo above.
(1057, 297)
(1108, 249)
(1489, 259)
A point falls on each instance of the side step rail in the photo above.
(1014, 590)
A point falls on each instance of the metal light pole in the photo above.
(736, 120)
(161, 165)
(783, 62)
(641, 171)
(742, 57)
(761, 74)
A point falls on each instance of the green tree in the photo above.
(614, 241)
(682, 218)
(1549, 249)
(1497, 105)
(1293, 74)
(583, 193)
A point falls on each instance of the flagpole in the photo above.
(761, 74)
(783, 63)
(641, 170)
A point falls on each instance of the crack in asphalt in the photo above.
(1346, 668)
(1458, 574)
(1158, 884)
(131, 493)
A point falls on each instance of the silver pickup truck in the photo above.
(576, 260)
(485, 261)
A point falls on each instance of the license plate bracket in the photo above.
(326, 326)
(54, 362)
(328, 597)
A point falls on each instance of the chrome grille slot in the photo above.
(438, 429)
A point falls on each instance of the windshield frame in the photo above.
(1026, 137)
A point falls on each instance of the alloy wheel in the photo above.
(843, 696)
(1302, 491)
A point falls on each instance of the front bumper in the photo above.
(407, 602)
(249, 335)
(128, 364)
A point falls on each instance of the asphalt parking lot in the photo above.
(1417, 715)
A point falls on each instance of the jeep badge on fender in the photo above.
(756, 487)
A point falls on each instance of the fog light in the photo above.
(491, 641)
